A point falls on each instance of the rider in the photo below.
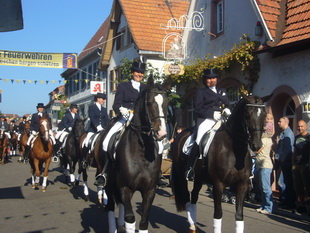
(209, 104)
(4, 127)
(98, 121)
(21, 127)
(67, 123)
(35, 127)
(125, 98)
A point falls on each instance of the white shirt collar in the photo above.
(213, 89)
(98, 105)
(135, 85)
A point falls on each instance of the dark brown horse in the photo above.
(14, 143)
(23, 141)
(4, 143)
(227, 163)
(138, 158)
(41, 153)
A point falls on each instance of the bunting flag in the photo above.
(37, 59)
(24, 81)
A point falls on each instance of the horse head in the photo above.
(78, 128)
(27, 129)
(255, 120)
(44, 128)
(151, 109)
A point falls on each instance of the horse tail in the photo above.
(179, 183)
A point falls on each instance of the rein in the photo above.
(149, 130)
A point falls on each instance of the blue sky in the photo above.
(52, 26)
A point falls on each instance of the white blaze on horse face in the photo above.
(162, 129)
(44, 123)
(259, 111)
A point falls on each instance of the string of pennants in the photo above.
(43, 81)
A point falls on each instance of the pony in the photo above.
(72, 156)
(41, 153)
(4, 143)
(227, 163)
(138, 157)
(23, 142)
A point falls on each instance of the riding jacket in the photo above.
(35, 123)
(97, 117)
(68, 121)
(206, 102)
(21, 127)
(126, 96)
(4, 126)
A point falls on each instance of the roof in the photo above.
(145, 18)
(97, 41)
(288, 21)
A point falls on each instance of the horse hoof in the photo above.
(36, 187)
(192, 231)
(87, 199)
(76, 183)
(43, 189)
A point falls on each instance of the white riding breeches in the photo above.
(63, 136)
(204, 125)
(59, 133)
(86, 140)
(8, 135)
(115, 128)
(50, 132)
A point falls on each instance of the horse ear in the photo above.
(150, 80)
(266, 98)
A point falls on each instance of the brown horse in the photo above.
(23, 141)
(14, 143)
(41, 153)
(4, 143)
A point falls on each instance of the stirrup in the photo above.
(55, 159)
(190, 174)
(101, 180)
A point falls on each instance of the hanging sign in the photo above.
(36, 59)
(176, 69)
(95, 87)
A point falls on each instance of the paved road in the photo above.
(62, 209)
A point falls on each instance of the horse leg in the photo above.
(45, 174)
(37, 173)
(130, 221)
(85, 184)
(147, 200)
(218, 188)
(191, 206)
(241, 192)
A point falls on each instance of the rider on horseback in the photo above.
(34, 128)
(210, 103)
(124, 102)
(98, 121)
(4, 127)
(65, 127)
(21, 127)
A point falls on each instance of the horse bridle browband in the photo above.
(256, 106)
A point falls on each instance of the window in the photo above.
(77, 82)
(220, 17)
(233, 94)
(217, 18)
(90, 75)
(83, 79)
(124, 39)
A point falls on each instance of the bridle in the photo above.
(149, 130)
(255, 106)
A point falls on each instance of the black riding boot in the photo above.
(191, 162)
(102, 177)
(26, 153)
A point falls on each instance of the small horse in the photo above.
(4, 143)
(138, 158)
(41, 153)
(14, 142)
(72, 155)
(227, 163)
(23, 141)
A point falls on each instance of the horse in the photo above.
(227, 163)
(14, 142)
(23, 141)
(4, 143)
(41, 153)
(72, 155)
(138, 157)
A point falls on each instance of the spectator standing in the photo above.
(283, 157)
(301, 172)
(264, 167)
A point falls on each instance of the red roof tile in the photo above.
(297, 19)
(145, 18)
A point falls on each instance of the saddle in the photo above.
(205, 142)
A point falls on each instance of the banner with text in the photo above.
(37, 59)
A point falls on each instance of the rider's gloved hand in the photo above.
(70, 129)
(124, 111)
(226, 112)
(217, 115)
(34, 133)
(99, 128)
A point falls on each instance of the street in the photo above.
(62, 208)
